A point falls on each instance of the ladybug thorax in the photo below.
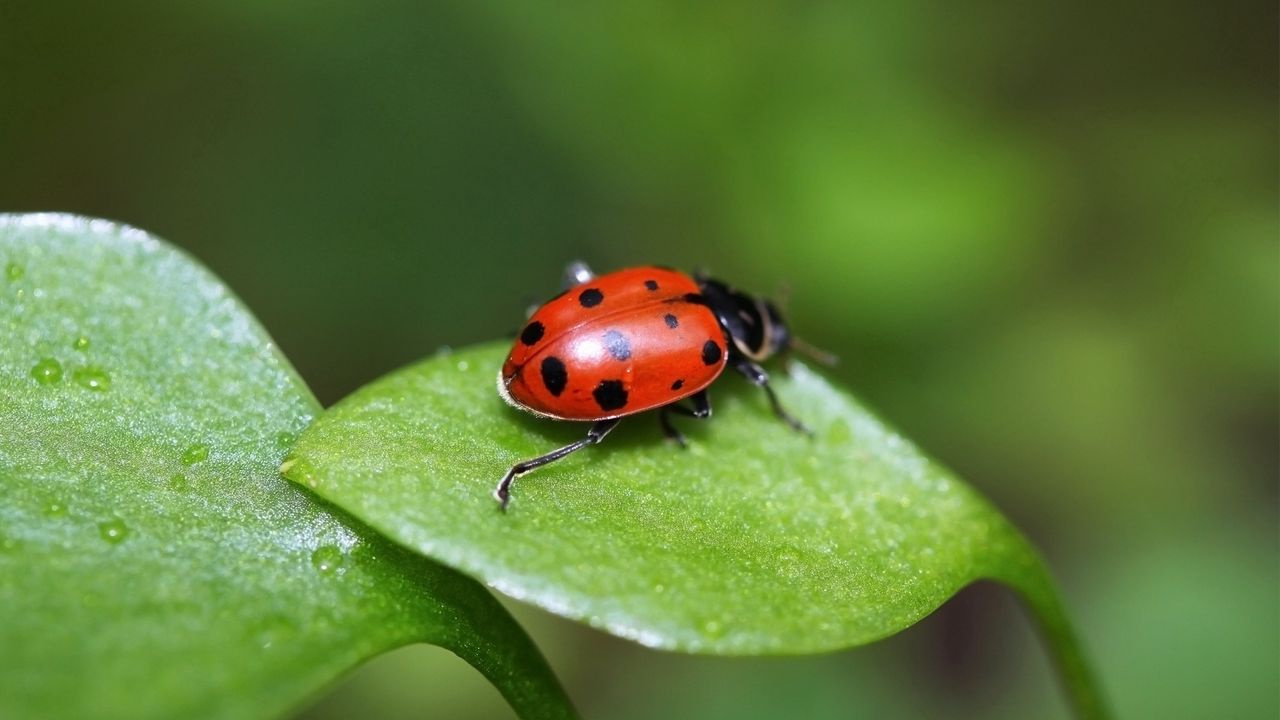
(752, 323)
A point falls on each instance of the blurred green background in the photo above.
(1042, 237)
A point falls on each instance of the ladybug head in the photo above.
(753, 323)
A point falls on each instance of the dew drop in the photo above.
(113, 531)
(47, 372)
(8, 544)
(92, 378)
(327, 559)
(463, 366)
(179, 482)
(194, 454)
(839, 433)
(55, 509)
(285, 439)
(713, 628)
(81, 343)
(14, 271)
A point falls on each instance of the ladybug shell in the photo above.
(619, 344)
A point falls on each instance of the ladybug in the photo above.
(638, 339)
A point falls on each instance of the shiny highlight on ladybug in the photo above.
(638, 339)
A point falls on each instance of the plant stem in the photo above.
(1035, 586)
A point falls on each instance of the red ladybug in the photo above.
(635, 340)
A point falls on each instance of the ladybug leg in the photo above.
(701, 405)
(576, 273)
(664, 417)
(668, 429)
(760, 378)
(597, 432)
(701, 410)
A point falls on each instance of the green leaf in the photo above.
(154, 563)
(754, 540)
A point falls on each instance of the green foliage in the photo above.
(1042, 237)
(754, 540)
(154, 562)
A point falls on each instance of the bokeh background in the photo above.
(1042, 237)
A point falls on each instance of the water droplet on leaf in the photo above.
(14, 271)
(113, 531)
(839, 433)
(92, 378)
(55, 509)
(81, 343)
(327, 558)
(194, 454)
(47, 372)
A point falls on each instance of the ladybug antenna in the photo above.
(816, 354)
(782, 298)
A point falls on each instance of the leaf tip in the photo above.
(298, 471)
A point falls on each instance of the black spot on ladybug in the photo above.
(710, 352)
(651, 284)
(610, 395)
(590, 297)
(532, 333)
(671, 321)
(554, 375)
(677, 384)
(617, 345)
